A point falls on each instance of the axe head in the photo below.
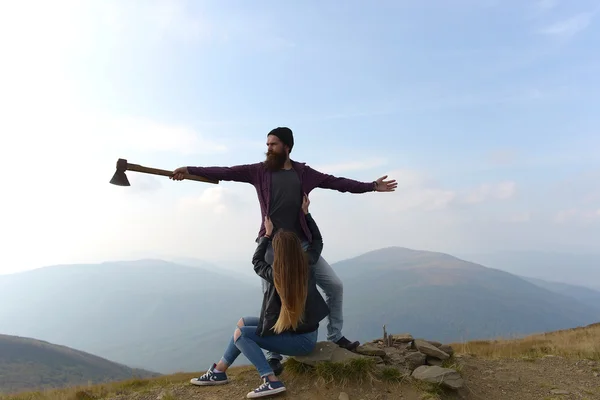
(119, 178)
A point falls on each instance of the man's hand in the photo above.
(178, 174)
(305, 204)
(268, 226)
(385, 186)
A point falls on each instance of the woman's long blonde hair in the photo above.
(290, 275)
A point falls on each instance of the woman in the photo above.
(291, 310)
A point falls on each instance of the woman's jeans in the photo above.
(249, 343)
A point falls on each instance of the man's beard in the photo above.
(275, 161)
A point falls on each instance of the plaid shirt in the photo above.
(260, 177)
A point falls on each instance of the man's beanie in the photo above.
(285, 135)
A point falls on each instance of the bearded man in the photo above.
(280, 185)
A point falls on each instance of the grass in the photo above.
(576, 343)
(96, 392)
(356, 370)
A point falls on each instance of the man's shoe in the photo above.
(210, 378)
(346, 344)
(268, 388)
(276, 366)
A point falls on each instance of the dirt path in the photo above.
(544, 379)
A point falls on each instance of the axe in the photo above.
(120, 179)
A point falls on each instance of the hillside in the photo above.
(582, 294)
(168, 317)
(27, 363)
(421, 292)
(556, 365)
(150, 313)
(573, 269)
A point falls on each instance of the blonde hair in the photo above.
(290, 276)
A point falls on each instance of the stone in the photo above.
(327, 351)
(433, 342)
(415, 359)
(343, 396)
(559, 392)
(402, 338)
(443, 376)
(370, 350)
(434, 361)
(430, 350)
(447, 349)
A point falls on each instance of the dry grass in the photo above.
(95, 392)
(578, 343)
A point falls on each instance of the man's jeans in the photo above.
(333, 288)
(251, 345)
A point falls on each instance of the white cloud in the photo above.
(351, 166)
(568, 27)
(488, 191)
(546, 4)
(576, 215)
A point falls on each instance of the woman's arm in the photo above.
(316, 247)
(261, 267)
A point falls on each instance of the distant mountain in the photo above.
(429, 293)
(149, 313)
(573, 269)
(168, 317)
(30, 364)
(582, 294)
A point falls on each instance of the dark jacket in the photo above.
(259, 176)
(315, 308)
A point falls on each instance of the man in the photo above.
(280, 185)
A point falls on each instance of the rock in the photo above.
(430, 350)
(447, 349)
(433, 342)
(327, 351)
(370, 350)
(559, 392)
(438, 375)
(343, 396)
(415, 359)
(434, 361)
(402, 338)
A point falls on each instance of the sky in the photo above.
(484, 111)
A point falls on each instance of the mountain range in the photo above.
(167, 317)
(27, 363)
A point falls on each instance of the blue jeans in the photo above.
(333, 288)
(249, 343)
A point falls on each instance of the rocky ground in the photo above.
(564, 365)
(425, 370)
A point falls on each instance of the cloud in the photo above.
(568, 27)
(546, 5)
(146, 135)
(576, 215)
(488, 191)
(351, 166)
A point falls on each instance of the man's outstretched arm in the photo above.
(327, 181)
(237, 173)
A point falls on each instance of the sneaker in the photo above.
(210, 378)
(268, 388)
(346, 344)
(276, 366)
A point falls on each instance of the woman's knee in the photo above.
(241, 323)
(237, 334)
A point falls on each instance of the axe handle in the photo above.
(163, 172)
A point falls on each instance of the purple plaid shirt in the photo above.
(260, 177)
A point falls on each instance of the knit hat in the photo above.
(285, 135)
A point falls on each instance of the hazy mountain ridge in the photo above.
(168, 317)
(568, 268)
(27, 363)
